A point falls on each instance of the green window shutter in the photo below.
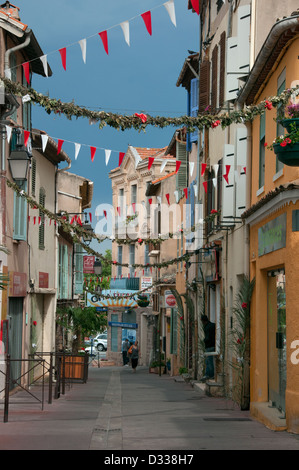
(78, 270)
(33, 176)
(41, 228)
(20, 215)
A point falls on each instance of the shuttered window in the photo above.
(222, 68)
(204, 85)
(33, 176)
(78, 267)
(182, 174)
(20, 214)
(214, 91)
(194, 105)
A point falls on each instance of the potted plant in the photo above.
(293, 117)
(286, 147)
(142, 300)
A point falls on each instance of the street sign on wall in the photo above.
(88, 264)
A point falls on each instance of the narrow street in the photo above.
(118, 410)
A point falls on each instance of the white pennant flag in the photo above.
(137, 160)
(176, 195)
(159, 199)
(195, 187)
(77, 150)
(8, 133)
(215, 182)
(163, 166)
(107, 155)
(191, 167)
(44, 141)
(43, 58)
(171, 11)
(82, 43)
(126, 30)
(215, 168)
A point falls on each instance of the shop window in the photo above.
(295, 221)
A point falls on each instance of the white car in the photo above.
(100, 342)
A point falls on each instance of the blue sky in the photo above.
(139, 78)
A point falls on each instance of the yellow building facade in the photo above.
(272, 222)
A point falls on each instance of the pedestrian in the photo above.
(125, 348)
(209, 340)
(134, 355)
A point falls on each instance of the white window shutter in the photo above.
(243, 39)
(241, 162)
(232, 69)
(228, 189)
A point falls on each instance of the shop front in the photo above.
(274, 255)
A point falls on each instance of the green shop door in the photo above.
(15, 336)
(277, 367)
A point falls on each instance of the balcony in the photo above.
(125, 283)
(153, 249)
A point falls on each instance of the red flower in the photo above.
(268, 104)
(215, 124)
(287, 140)
(181, 318)
(283, 143)
(244, 305)
(142, 116)
(139, 240)
(34, 323)
(213, 211)
(265, 144)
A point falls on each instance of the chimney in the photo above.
(11, 10)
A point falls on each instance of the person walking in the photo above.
(134, 355)
(209, 340)
(125, 348)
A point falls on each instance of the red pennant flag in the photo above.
(79, 221)
(90, 217)
(60, 142)
(226, 174)
(167, 197)
(150, 162)
(34, 220)
(147, 18)
(63, 57)
(92, 152)
(150, 200)
(133, 205)
(203, 168)
(105, 214)
(186, 192)
(121, 157)
(104, 38)
(73, 220)
(118, 210)
(26, 71)
(205, 185)
(195, 5)
(244, 169)
(177, 165)
(26, 137)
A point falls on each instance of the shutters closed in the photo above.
(241, 161)
(194, 105)
(204, 85)
(222, 44)
(214, 93)
(182, 174)
(228, 188)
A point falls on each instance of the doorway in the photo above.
(15, 336)
(277, 366)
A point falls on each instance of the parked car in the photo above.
(100, 342)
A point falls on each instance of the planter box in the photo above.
(289, 155)
(74, 367)
(287, 123)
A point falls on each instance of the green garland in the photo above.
(122, 122)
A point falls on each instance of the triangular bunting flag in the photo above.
(176, 195)
(163, 166)
(191, 167)
(244, 169)
(121, 157)
(44, 141)
(167, 197)
(107, 156)
(118, 210)
(44, 61)
(226, 174)
(205, 185)
(92, 153)
(26, 71)
(150, 162)
(82, 43)
(63, 57)
(104, 38)
(59, 146)
(171, 10)
(195, 188)
(26, 137)
(147, 18)
(177, 165)
(159, 199)
(105, 214)
(186, 192)
(77, 150)
(126, 30)
(203, 168)
(195, 5)
(134, 207)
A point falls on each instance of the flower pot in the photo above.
(287, 123)
(289, 155)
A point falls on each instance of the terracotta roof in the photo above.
(163, 177)
(150, 152)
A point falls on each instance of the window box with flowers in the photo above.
(286, 147)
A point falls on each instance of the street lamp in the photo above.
(19, 161)
(97, 267)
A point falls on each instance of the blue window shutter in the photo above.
(20, 215)
(194, 102)
(79, 278)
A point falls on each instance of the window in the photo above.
(133, 193)
(182, 174)
(146, 257)
(262, 151)
(132, 258)
(41, 229)
(119, 259)
(33, 176)
(20, 214)
(214, 90)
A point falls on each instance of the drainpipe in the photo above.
(14, 49)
